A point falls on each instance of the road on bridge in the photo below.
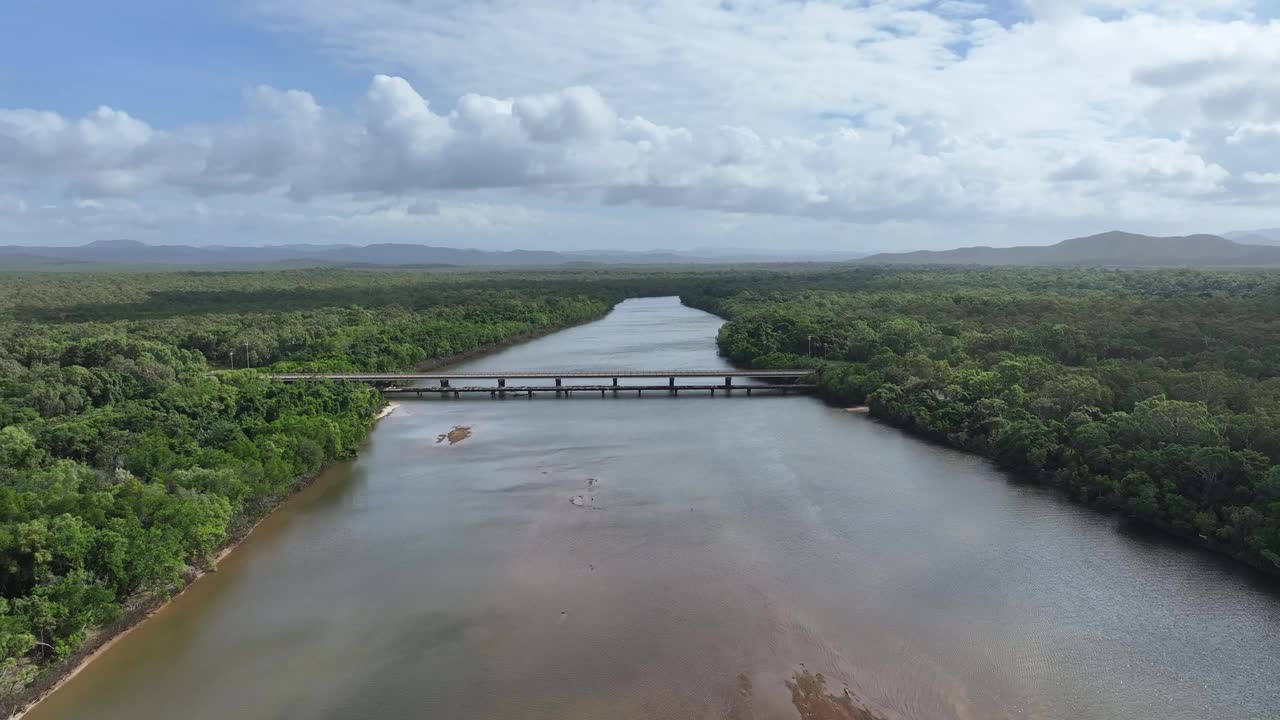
(543, 375)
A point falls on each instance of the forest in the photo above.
(137, 440)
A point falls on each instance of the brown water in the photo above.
(723, 546)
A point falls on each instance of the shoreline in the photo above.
(1268, 574)
(96, 647)
(90, 652)
(505, 343)
(385, 411)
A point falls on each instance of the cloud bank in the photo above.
(904, 112)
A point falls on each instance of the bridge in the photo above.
(784, 382)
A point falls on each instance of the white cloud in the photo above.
(1086, 111)
(13, 206)
(573, 141)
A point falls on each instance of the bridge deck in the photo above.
(569, 390)
(541, 375)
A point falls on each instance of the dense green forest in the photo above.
(125, 464)
(1154, 393)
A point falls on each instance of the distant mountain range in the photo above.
(1112, 249)
(134, 253)
(1267, 236)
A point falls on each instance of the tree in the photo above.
(18, 449)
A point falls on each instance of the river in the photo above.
(721, 546)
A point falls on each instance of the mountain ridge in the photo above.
(135, 253)
(1110, 249)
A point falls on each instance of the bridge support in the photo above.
(444, 383)
(671, 383)
(559, 382)
(615, 387)
(728, 384)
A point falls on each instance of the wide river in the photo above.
(721, 547)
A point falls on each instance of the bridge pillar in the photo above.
(671, 383)
(559, 382)
(728, 384)
(444, 383)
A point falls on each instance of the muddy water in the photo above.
(721, 553)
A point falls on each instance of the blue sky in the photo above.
(892, 124)
(174, 63)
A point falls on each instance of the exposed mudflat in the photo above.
(454, 436)
(814, 701)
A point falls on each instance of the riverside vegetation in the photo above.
(125, 465)
(1154, 393)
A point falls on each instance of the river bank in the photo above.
(504, 344)
(1181, 537)
(734, 549)
(141, 609)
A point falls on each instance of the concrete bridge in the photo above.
(783, 382)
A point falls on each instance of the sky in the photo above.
(837, 125)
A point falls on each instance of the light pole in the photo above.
(810, 339)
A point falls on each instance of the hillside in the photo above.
(1265, 236)
(131, 253)
(1112, 249)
